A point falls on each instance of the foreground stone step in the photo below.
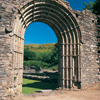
(43, 91)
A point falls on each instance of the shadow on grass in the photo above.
(41, 85)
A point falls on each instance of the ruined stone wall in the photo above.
(5, 51)
(98, 45)
(89, 55)
(8, 86)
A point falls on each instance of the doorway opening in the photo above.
(40, 59)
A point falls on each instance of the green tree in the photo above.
(88, 6)
(93, 6)
(47, 57)
(29, 55)
(54, 58)
(50, 57)
(96, 7)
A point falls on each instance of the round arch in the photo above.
(58, 16)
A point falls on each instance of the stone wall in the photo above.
(89, 55)
(98, 45)
(8, 89)
(5, 51)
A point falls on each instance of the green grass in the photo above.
(30, 86)
(53, 67)
(40, 48)
(26, 89)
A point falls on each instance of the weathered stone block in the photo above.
(4, 84)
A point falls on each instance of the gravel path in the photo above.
(90, 94)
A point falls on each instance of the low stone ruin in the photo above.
(42, 75)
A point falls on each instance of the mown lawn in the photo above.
(30, 86)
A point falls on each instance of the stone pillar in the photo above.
(66, 68)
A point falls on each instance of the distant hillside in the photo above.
(40, 48)
(45, 55)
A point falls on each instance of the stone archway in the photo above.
(71, 31)
(67, 31)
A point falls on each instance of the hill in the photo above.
(45, 55)
(40, 48)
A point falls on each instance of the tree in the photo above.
(96, 7)
(88, 6)
(50, 57)
(46, 57)
(29, 55)
(54, 57)
(93, 6)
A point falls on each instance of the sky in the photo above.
(41, 33)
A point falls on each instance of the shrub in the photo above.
(29, 55)
(35, 63)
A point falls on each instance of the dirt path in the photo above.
(90, 94)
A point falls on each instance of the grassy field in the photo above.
(40, 48)
(30, 86)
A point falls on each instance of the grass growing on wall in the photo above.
(30, 86)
